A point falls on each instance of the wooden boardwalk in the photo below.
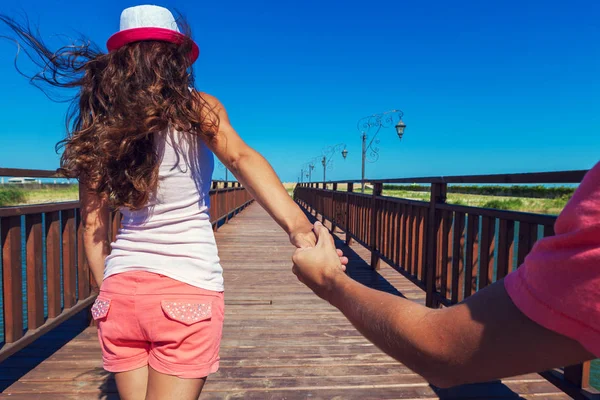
(280, 341)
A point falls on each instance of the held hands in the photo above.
(308, 239)
(318, 267)
(303, 239)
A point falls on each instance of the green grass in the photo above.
(511, 204)
(11, 196)
(47, 194)
(524, 204)
(538, 191)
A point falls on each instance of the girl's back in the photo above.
(172, 235)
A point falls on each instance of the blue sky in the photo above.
(486, 87)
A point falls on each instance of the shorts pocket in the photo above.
(187, 313)
(100, 308)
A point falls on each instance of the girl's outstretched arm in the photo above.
(258, 177)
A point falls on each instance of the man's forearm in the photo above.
(396, 325)
(486, 337)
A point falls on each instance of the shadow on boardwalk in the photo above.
(360, 270)
(17, 366)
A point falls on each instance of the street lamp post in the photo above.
(222, 166)
(328, 154)
(375, 123)
(311, 166)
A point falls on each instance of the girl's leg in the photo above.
(132, 384)
(169, 387)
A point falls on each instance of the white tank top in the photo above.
(172, 235)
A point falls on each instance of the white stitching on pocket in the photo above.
(100, 308)
(187, 312)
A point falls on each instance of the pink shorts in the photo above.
(149, 319)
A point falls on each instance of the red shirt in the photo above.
(558, 285)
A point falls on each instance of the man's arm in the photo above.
(485, 337)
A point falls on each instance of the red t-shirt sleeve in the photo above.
(558, 285)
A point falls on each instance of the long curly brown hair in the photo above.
(124, 98)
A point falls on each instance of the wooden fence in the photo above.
(44, 266)
(449, 251)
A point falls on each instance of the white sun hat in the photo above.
(148, 22)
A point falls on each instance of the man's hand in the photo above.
(304, 240)
(318, 267)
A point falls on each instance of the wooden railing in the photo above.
(449, 251)
(44, 266)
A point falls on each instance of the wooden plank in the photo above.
(389, 230)
(524, 244)
(30, 173)
(458, 266)
(575, 176)
(68, 256)
(486, 262)
(472, 251)
(335, 218)
(445, 260)
(578, 375)
(10, 236)
(83, 269)
(53, 263)
(392, 222)
(35, 271)
(349, 214)
(395, 234)
(376, 223)
(506, 233)
(420, 253)
(37, 209)
(410, 239)
(431, 259)
(400, 245)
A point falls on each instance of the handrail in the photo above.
(46, 173)
(449, 251)
(574, 176)
(55, 230)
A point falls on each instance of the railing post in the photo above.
(227, 201)
(333, 208)
(438, 196)
(215, 206)
(578, 375)
(10, 236)
(377, 190)
(350, 190)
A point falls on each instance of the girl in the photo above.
(141, 139)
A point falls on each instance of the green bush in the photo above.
(457, 202)
(504, 204)
(539, 191)
(10, 196)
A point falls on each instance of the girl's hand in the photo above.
(305, 240)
